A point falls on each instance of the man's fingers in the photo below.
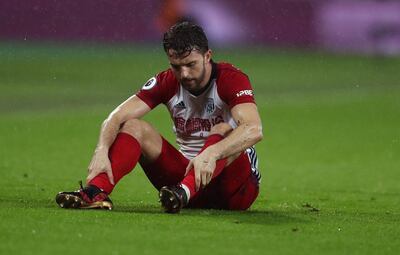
(93, 174)
(209, 176)
(197, 179)
(189, 166)
(110, 176)
(203, 179)
(90, 177)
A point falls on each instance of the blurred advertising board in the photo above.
(370, 26)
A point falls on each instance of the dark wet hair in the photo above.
(184, 37)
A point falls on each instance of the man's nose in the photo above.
(184, 73)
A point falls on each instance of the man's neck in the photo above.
(207, 77)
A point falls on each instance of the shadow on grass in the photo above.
(259, 217)
(268, 216)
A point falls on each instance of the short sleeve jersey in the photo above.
(194, 116)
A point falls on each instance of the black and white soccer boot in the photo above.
(173, 198)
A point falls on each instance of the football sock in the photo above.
(188, 183)
(124, 154)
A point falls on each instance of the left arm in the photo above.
(248, 133)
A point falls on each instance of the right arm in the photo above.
(132, 108)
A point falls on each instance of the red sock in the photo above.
(124, 154)
(189, 180)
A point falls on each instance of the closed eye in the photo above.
(176, 67)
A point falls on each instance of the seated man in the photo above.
(216, 123)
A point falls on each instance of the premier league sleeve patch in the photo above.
(150, 83)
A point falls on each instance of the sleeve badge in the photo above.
(150, 83)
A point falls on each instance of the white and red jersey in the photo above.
(194, 116)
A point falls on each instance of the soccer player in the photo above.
(216, 123)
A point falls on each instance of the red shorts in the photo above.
(235, 188)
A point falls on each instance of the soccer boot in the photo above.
(173, 198)
(89, 197)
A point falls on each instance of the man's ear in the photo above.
(208, 56)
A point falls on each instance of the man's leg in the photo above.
(174, 197)
(217, 133)
(236, 188)
(233, 186)
(168, 169)
(136, 139)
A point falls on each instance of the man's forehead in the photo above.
(186, 57)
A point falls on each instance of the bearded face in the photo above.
(190, 69)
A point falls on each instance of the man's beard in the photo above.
(188, 83)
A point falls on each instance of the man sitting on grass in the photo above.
(216, 123)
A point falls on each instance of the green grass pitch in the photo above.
(330, 158)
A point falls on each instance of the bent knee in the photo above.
(221, 129)
(135, 127)
(242, 202)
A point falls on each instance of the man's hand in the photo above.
(204, 165)
(100, 163)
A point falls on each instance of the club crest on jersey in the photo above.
(210, 106)
(150, 83)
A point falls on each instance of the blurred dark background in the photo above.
(367, 27)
